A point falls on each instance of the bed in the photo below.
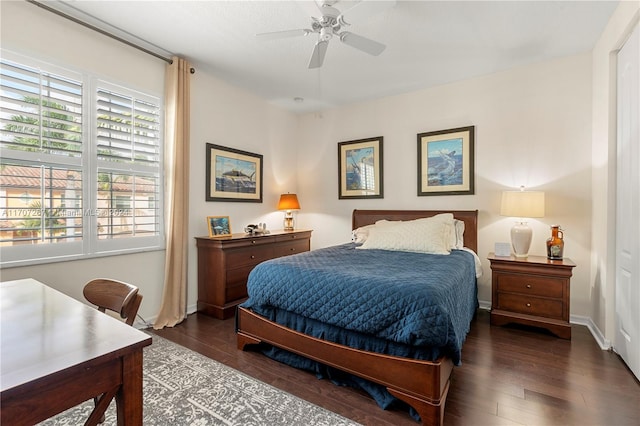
(413, 366)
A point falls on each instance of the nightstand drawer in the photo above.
(548, 308)
(530, 284)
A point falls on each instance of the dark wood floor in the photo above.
(509, 376)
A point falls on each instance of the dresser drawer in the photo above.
(549, 308)
(291, 247)
(248, 255)
(530, 284)
(237, 283)
(290, 237)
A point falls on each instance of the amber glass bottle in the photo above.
(555, 244)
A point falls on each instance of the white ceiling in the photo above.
(428, 42)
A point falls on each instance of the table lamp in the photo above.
(288, 202)
(522, 204)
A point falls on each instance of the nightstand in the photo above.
(531, 291)
(224, 264)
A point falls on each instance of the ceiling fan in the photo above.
(330, 24)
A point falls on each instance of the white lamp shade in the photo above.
(522, 204)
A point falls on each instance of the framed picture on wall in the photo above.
(445, 162)
(233, 175)
(360, 169)
(219, 226)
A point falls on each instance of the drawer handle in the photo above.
(253, 241)
(528, 305)
(253, 257)
(293, 249)
(528, 285)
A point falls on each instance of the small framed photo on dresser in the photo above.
(219, 226)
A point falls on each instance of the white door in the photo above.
(627, 342)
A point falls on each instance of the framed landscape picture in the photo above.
(445, 162)
(360, 169)
(219, 226)
(233, 175)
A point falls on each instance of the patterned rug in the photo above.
(182, 387)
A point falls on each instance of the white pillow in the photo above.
(426, 235)
(457, 240)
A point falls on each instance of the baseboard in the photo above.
(604, 343)
(192, 308)
(142, 323)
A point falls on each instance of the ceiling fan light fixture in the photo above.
(326, 33)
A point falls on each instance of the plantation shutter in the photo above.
(40, 111)
(128, 129)
(128, 151)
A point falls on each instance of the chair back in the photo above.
(117, 296)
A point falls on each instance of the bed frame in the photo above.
(421, 384)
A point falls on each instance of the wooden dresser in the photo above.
(531, 291)
(224, 264)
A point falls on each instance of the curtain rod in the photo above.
(101, 31)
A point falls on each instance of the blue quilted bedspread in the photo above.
(399, 303)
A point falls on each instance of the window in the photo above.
(80, 165)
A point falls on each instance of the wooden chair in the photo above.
(116, 296)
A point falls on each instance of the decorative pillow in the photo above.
(360, 235)
(426, 235)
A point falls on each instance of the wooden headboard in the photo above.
(469, 217)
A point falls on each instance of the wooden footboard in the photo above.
(421, 384)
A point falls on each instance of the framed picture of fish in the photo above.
(219, 226)
(445, 162)
(233, 175)
(360, 169)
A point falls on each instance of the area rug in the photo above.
(182, 387)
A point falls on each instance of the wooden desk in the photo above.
(58, 352)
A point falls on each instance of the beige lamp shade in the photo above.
(522, 204)
(288, 202)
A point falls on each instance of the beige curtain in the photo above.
(177, 98)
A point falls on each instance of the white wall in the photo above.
(602, 274)
(224, 115)
(533, 128)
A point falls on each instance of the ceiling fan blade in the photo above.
(364, 9)
(310, 7)
(362, 43)
(317, 56)
(283, 34)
